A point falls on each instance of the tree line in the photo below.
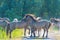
(18, 8)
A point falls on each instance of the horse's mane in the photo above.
(32, 16)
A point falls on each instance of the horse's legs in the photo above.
(31, 34)
(34, 34)
(7, 30)
(47, 34)
(10, 33)
(29, 31)
(24, 31)
(43, 33)
(38, 33)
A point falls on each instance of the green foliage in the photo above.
(18, 8)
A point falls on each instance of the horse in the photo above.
(3, 23)
(35, 24)
(17, 25)
(56, 22)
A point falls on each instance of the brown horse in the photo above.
(35, 24)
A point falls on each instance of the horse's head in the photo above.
(53, 20)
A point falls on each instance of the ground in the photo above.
(18, 35)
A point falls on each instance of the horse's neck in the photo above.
(33, 22)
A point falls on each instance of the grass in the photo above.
(15, 33)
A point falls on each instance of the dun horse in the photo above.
(35, 24)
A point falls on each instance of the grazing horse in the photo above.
(37, 25)
(56, 22)
(19, 25)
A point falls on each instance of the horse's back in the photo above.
(43, 24)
